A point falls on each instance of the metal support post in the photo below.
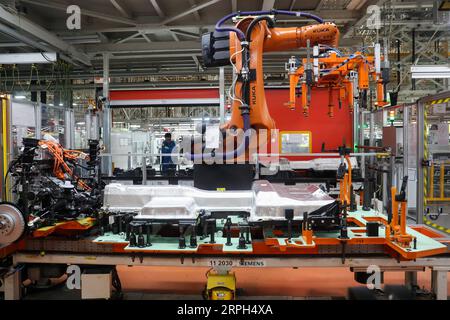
(94, 126)
(144, 170)
(88, 123)
(439, 282)
(357, 127)
(405, 139)
(12, 286)
(405, 143)
(91, 121)
(107, 118)
(361, 141)
(413, 56)
(372, 133)
(38, 120)
(57, 97)
(222, 94)
(411, 279)
(420, 157)
(68, 128)
(386, 189)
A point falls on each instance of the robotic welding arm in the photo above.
(243, 46)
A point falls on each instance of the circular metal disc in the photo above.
(12, 223)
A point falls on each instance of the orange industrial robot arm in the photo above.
(243, 46)
(264, 38)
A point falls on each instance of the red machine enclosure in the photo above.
(333, 131)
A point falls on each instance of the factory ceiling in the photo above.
(160, 37)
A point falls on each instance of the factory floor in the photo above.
(286, 283)
(175, 283)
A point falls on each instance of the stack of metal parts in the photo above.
(265, 202)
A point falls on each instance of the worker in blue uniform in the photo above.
(167, 147)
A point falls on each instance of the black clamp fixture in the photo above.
(228, 232)
(289, 216)
(211, 223)
(140, 238)
(149, 234)
(193, 238)
(181, 239)
(242, 245)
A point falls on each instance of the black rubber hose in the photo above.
(254, 22)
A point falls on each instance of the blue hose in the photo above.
(241, 34)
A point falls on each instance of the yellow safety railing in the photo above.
(437, 173)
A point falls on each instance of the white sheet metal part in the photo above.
(322, 164)
(264, 202)
(173, 202)
(272, 199)
(319, 164)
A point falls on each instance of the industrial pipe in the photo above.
(241, 34)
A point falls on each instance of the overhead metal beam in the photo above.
(191, 10)
(102, 37)
(120, 8)
(145, 36)
(28, 58)
(268, 4)
(197, 62)
(13, 44)
(355, 4)
(321, 4)
(234, 6)
(95, 14)
(430, 72)
(82, 39)
(149, 55)
(133, 36)
(29, 27)
(157, 8)
(160, 46)
(174, 36)
(196, 14)
(185, 33)
(188, 47)
(332, 15)
(291, 6)
(413, 4)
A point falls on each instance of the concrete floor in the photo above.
(306, 282)
(175, 283)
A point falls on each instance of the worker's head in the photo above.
(168, 137)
